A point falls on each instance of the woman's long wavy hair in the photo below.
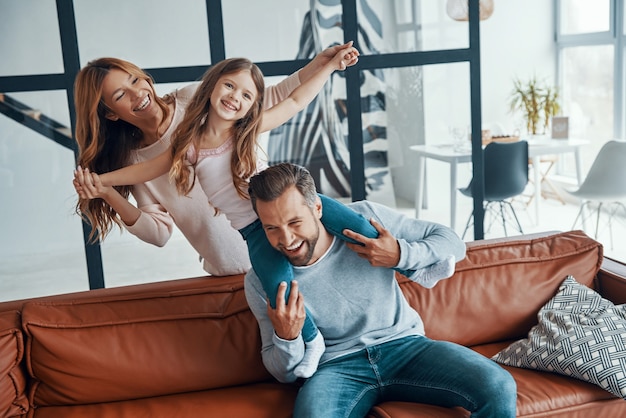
(245, 131)
(104, 145)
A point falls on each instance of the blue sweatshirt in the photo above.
(354, 304)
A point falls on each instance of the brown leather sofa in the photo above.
(191, 347)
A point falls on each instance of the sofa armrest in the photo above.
(612, 281)
(13, 400)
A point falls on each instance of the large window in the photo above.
(372, 113)
(587, 58)
(578, 17)
(591, 61)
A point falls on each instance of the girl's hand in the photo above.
(88, 185)
(321, 60)
(328, 54)
(346, 57)
(288, 317)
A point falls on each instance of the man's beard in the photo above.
(309, 244)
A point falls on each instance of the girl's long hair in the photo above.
(104, 145)
(245, 131)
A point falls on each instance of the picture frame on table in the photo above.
(560, 127)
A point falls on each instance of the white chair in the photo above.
(605, 184)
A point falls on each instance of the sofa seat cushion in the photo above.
(113, 347)
(539, 394)
(579, 334)
(608, 409)
(262, 400)
(13, 399)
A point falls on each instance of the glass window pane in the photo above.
(52, 104)
(283, 24)
(587, 96)
(582, 16)
(446, 102)
(128, 260)
(317, 138)
(438, 29)
(164, 88)
(29, 38)
(401, 107)
(151, 35)
(41, 245)
(411, 25)
(422, 106)
(388, 26)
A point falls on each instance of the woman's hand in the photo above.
(89, 186)
(346, 57)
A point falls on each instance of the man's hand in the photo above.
(383, 251)
(287, 318)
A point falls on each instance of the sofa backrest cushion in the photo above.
(120, 346)
(500, 286)
(13, 399)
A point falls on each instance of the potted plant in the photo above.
(537, 102)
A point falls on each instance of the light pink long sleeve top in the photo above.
(220, 246)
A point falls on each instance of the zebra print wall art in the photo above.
(317, 137)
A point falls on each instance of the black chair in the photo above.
(506, 176)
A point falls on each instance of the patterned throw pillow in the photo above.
(579, 334)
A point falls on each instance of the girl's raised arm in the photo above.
(140, 172)
(306, 92)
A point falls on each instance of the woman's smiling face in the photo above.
(128, 97)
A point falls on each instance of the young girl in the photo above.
(217, 143)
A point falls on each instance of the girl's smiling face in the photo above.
(233, 95)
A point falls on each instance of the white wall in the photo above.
(516, 41)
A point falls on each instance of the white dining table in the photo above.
(454, 156)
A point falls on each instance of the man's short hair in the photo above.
(270, 184)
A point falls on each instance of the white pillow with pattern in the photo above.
(579, 334)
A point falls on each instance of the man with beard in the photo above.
(376, 349)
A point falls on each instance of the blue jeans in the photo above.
(272, 267)
(411, 369)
